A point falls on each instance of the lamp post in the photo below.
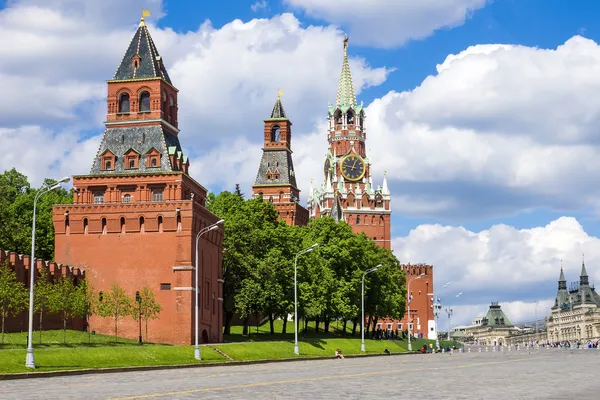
(362, 329)
(29, 360)
(307, 250)
(196, 290)
(450, 311)
(437, 307)
(138, 299)
(409, 299)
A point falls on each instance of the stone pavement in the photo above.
(542, 374)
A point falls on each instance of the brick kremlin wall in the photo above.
(21, 265)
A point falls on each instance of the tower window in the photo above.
(338, 117)
(127, 198)
(178, 222)
(350, 117)
(122, 224)
(131, 163)
(108, 165)
(124, 103)
(153, 162)
(67, 226)
(275, 134)
(160, 223)
(357, 220)
(141, 224)
(85, 226)
(157, 195)
(98, 197)
(104, 226)
(144, 101)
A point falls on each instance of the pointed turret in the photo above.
(583, 277)
(562, 282)
(278, 111)
(385, 189)
(142, 60)
(345, 95)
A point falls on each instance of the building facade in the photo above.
(576, 312)
(491, 329)
(135, 216)
(347, 193)
(276, 178)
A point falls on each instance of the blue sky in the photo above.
(483, 113)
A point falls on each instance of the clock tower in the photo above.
(347, 192)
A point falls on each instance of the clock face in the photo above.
(327, 167)
(353, 168)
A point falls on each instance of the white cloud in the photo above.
(502, 263)
(388, 23)
(259, 5)
(517, 312)
(499, 129)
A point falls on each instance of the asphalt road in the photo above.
(543, 374)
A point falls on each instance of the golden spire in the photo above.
(145, 13)
(279, 94)
(345, 45)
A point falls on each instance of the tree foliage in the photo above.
(42, 296)
(13, 296)
(115, 304)
(16, 214)
(63, 300)
(149, 309)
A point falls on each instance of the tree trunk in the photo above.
(354, 325)
(228, 317)
(284, 328)
(64, 327)
(305, 325)
(368, 326)
(326, 327)
(344, 327)
(41, 314)
(116, 328)
(375, 324)
(2, 328)
(317, 322)
(245, 328)
(146, 331)
(271, 324)
(89, 328)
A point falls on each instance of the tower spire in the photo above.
(345, 95)
(278, 111)
(583, 277)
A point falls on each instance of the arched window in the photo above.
(160, 223)
(85, 226)
(275, 134)
(357, 220)
(127, 198)
(141, 224)
(67, 226)
(123, 225)
(281, 197)
(124, 103)
(178, 222)
(153, 162)
(338, 117)
(108, 165)
(98, 197)
(104, 226)
(350, 117)
(171, 109)
(164, 103)
(144, 101)
(157, 195)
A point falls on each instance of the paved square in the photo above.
(542, 374)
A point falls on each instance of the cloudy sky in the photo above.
(483, 113)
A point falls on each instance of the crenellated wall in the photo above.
(20, 263)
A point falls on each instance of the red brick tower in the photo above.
(136, 214)
(347, 192)
(276, 178)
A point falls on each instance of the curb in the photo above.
(51, 374)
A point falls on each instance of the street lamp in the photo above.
(200, 233)
(409, 299)
(29, 360)
(449, 311)
(437, 307)
(138, 300)
(307, 250)
(362, 330)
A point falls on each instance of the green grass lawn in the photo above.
(54, 355)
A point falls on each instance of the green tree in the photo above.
(85, 303)
(149, 308)
(42, 296)
(13, 296)
(63, 300)
(16, 214)
(245, 243)
(115, 304)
